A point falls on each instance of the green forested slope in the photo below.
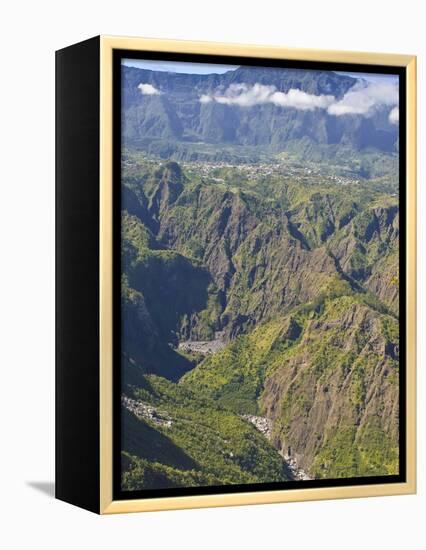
(327, 375)
(204, 444)
(299, 274)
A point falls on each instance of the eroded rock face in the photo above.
(367, 250)
(263, 261)
(261, 423)
(217, 260)
(336, 394)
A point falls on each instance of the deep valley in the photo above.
(274, 296)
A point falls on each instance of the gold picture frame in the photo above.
(107, 46)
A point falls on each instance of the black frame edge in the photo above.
(77, 275)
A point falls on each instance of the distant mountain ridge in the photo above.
(172, 111)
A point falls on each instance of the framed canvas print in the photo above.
(235, 274)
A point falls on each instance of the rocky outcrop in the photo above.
(147, 412)
(261, 423)
(335, 397)
(367, 250)
(264, 425)
(206, 347)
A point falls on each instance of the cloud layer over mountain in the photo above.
(362, 99)
(258, 107)
(394, 116)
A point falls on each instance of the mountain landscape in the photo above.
(260, 278)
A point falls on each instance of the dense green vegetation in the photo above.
(319, 356)
(297, 271)
(204, 445)
(235, 376)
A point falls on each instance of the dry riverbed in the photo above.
(264, 425)
(205, 347)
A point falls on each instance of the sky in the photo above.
(208, 68)
(178, 67)
(372, 77)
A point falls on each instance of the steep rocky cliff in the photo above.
(261, 255)
(334, 399)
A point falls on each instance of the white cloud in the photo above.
(244, 95)
(148, 89)
(302, 100)
(364, 97)
(205, 98)
(394, 116)
(257, 94)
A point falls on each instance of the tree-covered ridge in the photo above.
(296, 270)
(201, 444)
(268, 246)
(327, 370)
